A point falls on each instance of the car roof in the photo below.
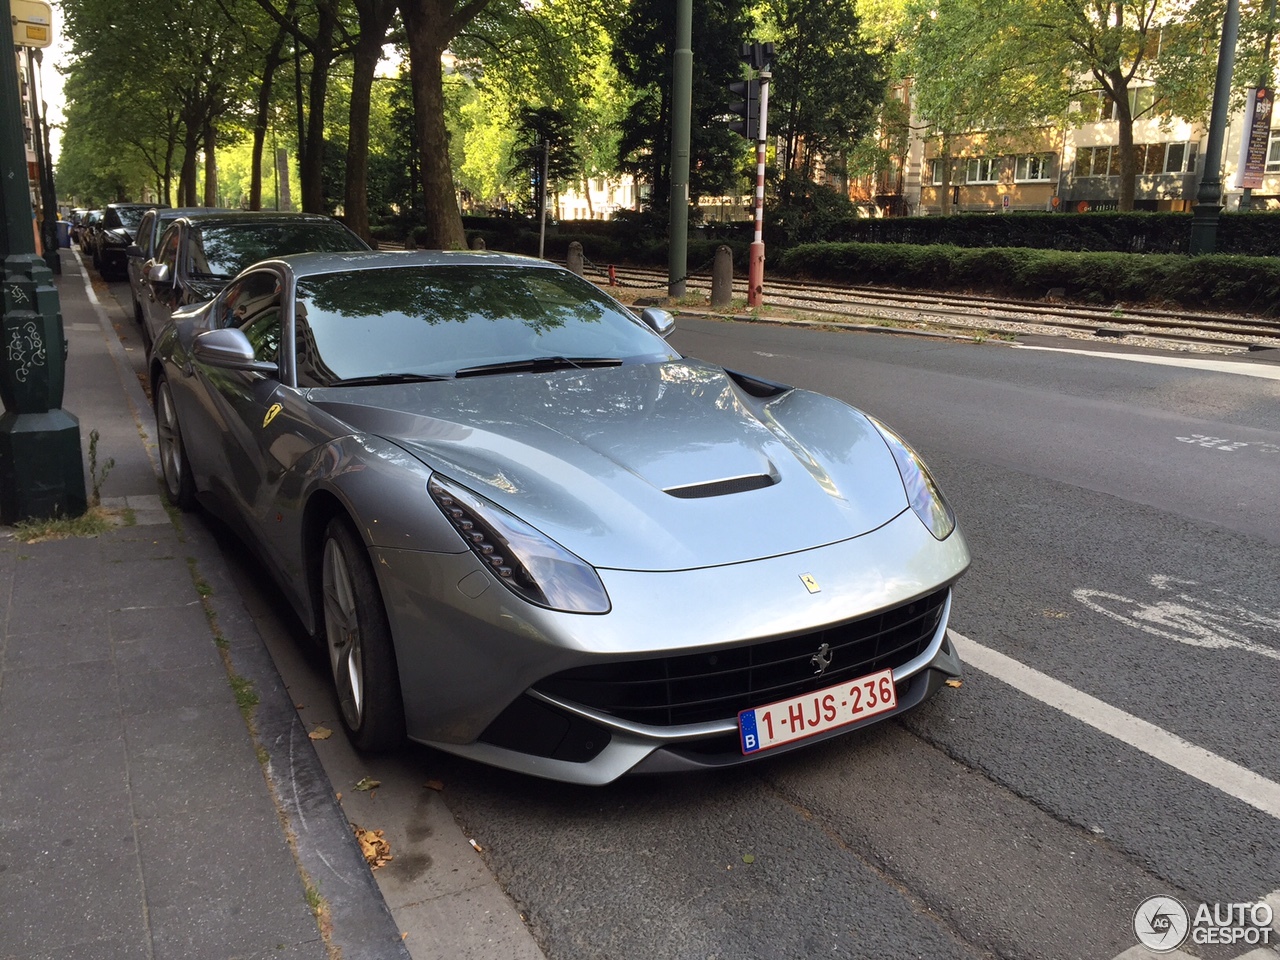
(256, 216)
(313, 264)
(134, 206)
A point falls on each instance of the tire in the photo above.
(357, 636)
(179, 485)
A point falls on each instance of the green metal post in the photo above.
(1204, 225)
(681, 120)
(41, 466)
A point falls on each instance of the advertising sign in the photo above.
(1257, 133)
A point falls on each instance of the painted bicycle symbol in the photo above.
(1206, 617)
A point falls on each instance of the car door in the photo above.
(158, 299)
(261, 426)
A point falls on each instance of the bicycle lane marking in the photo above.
(1222, 774)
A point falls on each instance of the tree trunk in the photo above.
(210, 165)
(187, 175)
(375, 20)
(1119, 88)
(424, 25)
(261, 117)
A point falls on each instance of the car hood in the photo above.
(659, 466)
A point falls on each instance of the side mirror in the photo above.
(158, 273)
(229, 349)
(659, 321)
(133, 251)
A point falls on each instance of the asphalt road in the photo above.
(1122, 517)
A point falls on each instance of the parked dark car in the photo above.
(114, 234)
(199, 255)
(86, 233)
(76, 218)
(147, 239)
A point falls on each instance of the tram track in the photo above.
(983, 315)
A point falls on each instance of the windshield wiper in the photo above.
(381, 378)
(537, 365)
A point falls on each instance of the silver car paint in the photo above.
(586, 457)
(466, 646)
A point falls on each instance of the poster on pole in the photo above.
(1257, 133)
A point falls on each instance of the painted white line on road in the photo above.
(1231, 778)
(1260, 370)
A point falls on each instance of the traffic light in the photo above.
(748, 108)
(758, 55)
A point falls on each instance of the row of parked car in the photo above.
(173, 256)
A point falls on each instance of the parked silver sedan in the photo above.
(529, 532)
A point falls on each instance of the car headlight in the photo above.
(923, 493)
(528, 563)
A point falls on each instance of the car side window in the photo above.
(263, 332)
(145, 233)
(168, 250)
(245, 299)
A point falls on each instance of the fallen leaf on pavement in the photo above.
(434, 785)
(368, 783)
(320, 733)
(953, 682)
(376, 850)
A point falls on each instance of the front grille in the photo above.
(715, 685)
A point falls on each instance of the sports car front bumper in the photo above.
(468, 649)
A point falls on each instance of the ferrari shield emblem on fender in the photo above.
(271, 414)
(810, 584)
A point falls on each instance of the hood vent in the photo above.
(721, 488)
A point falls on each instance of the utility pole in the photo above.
(681, 121)
(755, 265)
(754, 125)
(41, 467)
(1204, 226)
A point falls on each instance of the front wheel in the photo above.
(179, 485)
(358, 638)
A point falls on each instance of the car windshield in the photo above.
(222, 250)
(127, 217)
(433, 321)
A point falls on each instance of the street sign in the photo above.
(32, 23)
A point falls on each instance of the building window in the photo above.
(1273, 154)
(980, 170)
(1151, 159)
(1034, 166)
(935, 172)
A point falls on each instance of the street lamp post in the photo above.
(1204, 225)
(41, 466)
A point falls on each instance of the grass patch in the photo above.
(246, 696)
(93, 522)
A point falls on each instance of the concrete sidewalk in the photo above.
(159, 796)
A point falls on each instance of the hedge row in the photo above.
(636, 236)
(1217, 282)
(1251, 234)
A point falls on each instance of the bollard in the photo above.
(722, 277)
(574, 260)
(613, 275)
(478, 243)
